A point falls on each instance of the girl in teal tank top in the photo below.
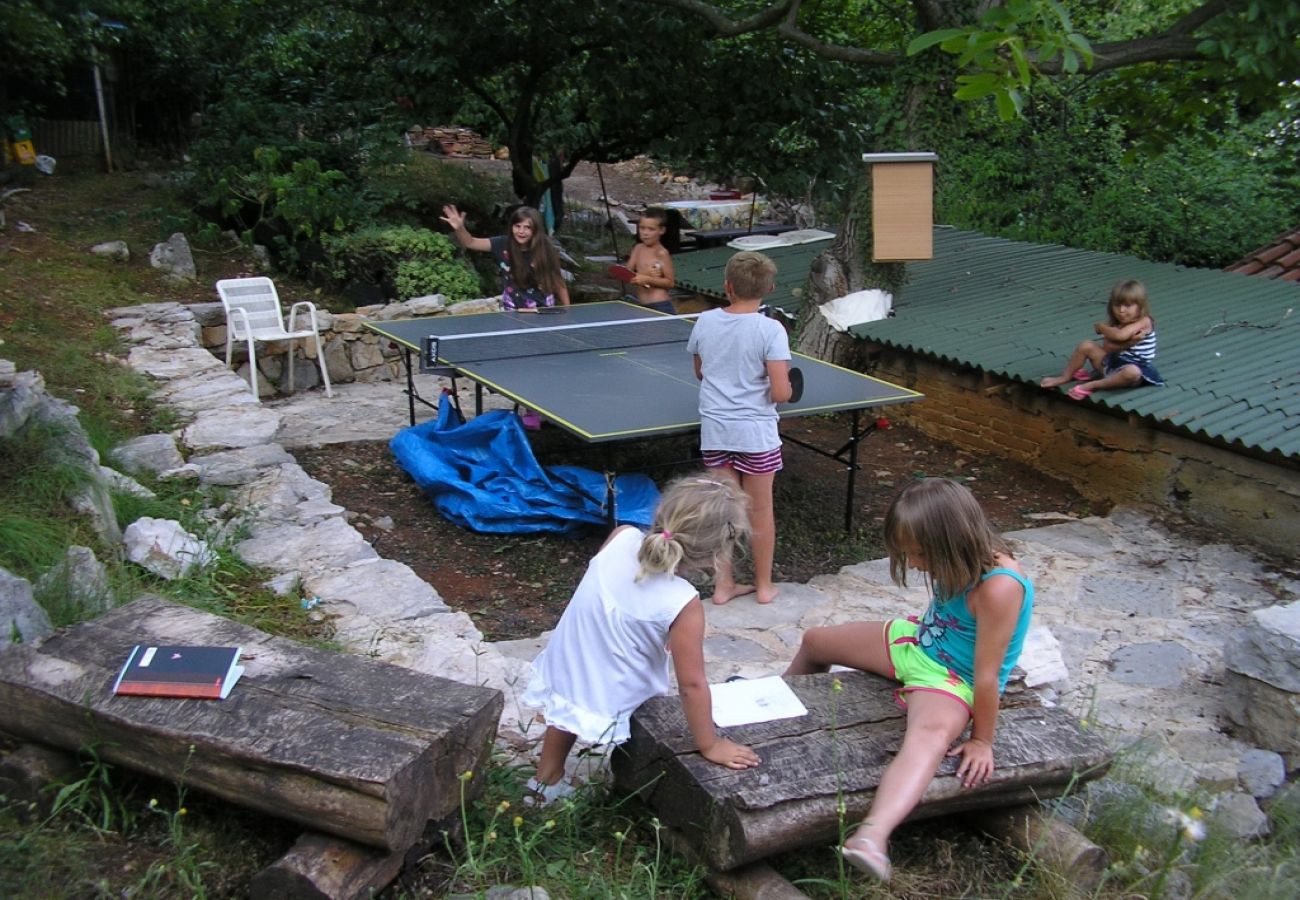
(952, 662)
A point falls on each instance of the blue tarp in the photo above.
(482, 475)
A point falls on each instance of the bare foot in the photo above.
(726, 595)
(768, 594)
(1054, 381)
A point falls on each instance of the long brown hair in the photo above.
(946, 523)
(544, 272)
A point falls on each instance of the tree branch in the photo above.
(1176, 42)
(725, 27)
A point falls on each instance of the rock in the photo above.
(173, 258)
(156, 453)
(1268, 649)
(242, 465)
(123, 484)
(1238, 816)
(483, 304)
(1041, 659)
(262, 257)
(1261, 772)
(231, 427)
(165, 548)
(114, 250)
(427, 305)
(22, 620)
(1269, 716)
(78, 580)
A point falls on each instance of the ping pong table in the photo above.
(615, 371)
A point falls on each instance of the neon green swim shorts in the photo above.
(917, 671)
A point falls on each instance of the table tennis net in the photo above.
(551, 341)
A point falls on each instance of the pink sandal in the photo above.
(1084, 374)
(1080, 392)
(867, 857)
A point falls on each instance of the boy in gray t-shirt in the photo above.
(742, 359)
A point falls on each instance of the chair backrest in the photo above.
(258, 298)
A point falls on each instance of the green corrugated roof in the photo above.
(702, 272)
(1229, 344)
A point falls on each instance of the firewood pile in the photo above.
(449, 140)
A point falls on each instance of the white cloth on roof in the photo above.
(843, 313)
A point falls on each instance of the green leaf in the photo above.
(930, 38)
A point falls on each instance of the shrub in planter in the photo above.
(410, 261)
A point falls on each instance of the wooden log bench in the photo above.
(345, 745)
(837, 752)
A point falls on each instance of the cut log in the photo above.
(30, 775)
(321, 867)
(752, 881)
(1056, 845)
(346, 745)
(834, 755)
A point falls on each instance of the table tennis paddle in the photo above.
(621, 272)
(796, 385)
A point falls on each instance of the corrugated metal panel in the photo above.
(67, 137)
(1229, 344)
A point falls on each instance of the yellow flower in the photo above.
(491, 836)
(550, 823)
(503, 806)
(519, 820)
(467, 775)
(153, 803)
(836, 686)
(182, 811)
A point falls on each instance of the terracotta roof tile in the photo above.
(1280, 259)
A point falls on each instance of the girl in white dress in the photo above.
(609, 653)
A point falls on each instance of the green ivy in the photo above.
(413, 261)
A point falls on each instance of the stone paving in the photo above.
(1131, 618)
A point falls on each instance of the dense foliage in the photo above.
(410, 262)
(1129, 129)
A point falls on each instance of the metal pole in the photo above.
(103, 118)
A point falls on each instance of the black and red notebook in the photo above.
(206, 673)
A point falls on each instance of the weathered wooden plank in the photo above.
(342, 744)
(838, 751)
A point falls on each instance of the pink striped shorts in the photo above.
(747, 463)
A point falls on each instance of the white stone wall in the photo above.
(352, 352)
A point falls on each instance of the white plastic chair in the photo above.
(253, 314)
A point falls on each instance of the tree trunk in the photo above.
(845, 267)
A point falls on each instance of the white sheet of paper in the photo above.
(754, 700)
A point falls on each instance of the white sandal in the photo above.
(871, 860)
(545, 794)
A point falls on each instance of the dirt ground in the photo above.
(515, 587)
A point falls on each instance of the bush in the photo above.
(408, 262)
(419, 187)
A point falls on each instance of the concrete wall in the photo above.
(1105, 455)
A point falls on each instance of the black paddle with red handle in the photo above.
(796, 385)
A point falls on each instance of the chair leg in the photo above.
(252, 369)
(324, 370)
(291, 354)
(229, 345)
